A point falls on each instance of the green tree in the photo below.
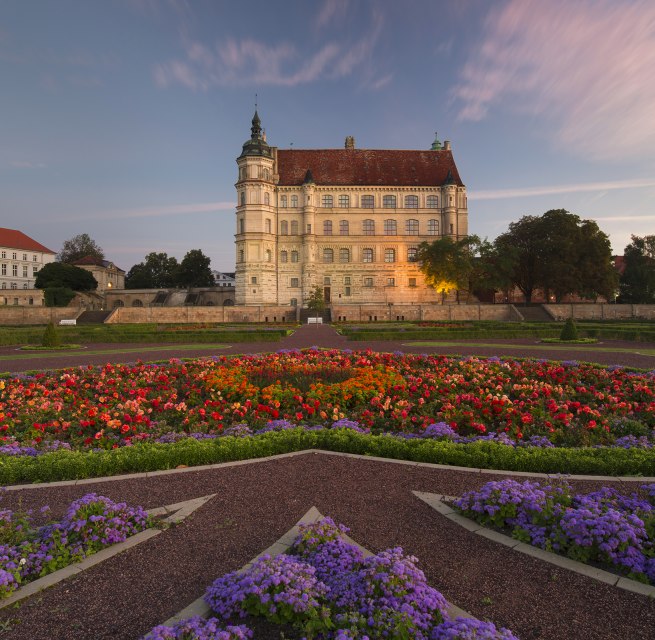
(316, 301)
(194, 270)
(79, 247)
(59, 274)
(50, 336)
(637, 283)
(158, 271)
(448, 264)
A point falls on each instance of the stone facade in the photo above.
(21, 258)
(107, 274)
(346, 220)
(198, 296)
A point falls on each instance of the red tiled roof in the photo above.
(370, 167)
(94, 262)
(13, 239)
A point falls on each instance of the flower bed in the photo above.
(91, 523)
(325, 588)
(565, 404)
(603, 526)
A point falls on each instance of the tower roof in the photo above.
(257, 145)
(367, 167)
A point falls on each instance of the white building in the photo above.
(348, 220)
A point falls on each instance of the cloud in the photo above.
(26, 164)
(332, 10)
(526, 192)
(154, 211)
(587, 66)
(250, 62)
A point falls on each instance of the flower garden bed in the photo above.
(446, 403)
(325, 588)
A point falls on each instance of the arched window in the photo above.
(433, 227)
(411, 227)
(412, 254)
(367, 255)
(411, 202)
(389, 255)
(118, 303)
(432, 202)
(368, 227)
(294, 256)
(344, 228)
(284, 256)
(228, 303)
(368, 202)
(267, 198)
(344, 255)
(284, 228)
(344, 201)
(390, 227)
(283, 201)
(327, 201)
(137, 303)
(328, 255)
(243, 198)
(327, 227)
(389, 202)
(294, 202)
(294, 227)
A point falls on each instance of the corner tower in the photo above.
(256, 214)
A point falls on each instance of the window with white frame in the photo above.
(389, 255)
(389, 202)
(368, 202)
(344, 201)
(344, 228)
(411, 227)
(367, 255)
(35, 270)
(390, 227)
(34, 258)
(24, 271)
(327, 227)
(4, 270)
(283, 201)
(328, 255)
(411, 202)
(327, 201)
(432, 202)
(284, 228)
(344, 255)
(294, 202)
(412, 254)
(368, 227)
(433, 227)
(24, 257)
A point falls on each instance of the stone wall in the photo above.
(419, 313)
(600, 311)
(36, 315)
(198, 315)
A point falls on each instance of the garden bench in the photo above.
(314, 320)
(68, 321)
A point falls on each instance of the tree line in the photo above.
(556, 253)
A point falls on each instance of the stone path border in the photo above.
(200, 608)
(236, 463)
(177, 512)
(438, 503)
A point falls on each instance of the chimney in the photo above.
(350, 142)
(446, 145)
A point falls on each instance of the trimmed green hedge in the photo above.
(75, 465)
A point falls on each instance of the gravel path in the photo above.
(256, 503)
(122, 598)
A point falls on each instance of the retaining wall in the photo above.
(601, 311)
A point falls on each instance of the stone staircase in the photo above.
(536, 313)
(92, 317)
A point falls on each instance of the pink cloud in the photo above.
(585, 66)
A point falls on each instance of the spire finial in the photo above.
(436, 145)
(255, 102)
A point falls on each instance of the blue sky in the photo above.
(123, 118)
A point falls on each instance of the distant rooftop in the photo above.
(13, 239)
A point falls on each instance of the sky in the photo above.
(123, 118)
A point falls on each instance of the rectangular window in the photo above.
(347, 292)
(412, 282)
(368, 202)
(294, 302)
(432, 202)
(367, 255)
(433, 227)
(327, 281)
(242, 225)
(295, 283)
(253, 280)
(24, 271)
(344, 202)
(389, 255)
(344, 255)
(309, 228)
(4, 254)
(327, 227)
(346, 280)
(25, 257)
(34, 258)
(283, 201)
(411, 202)
(368, 227)
(391, 282)
(327, 201)
(390, 228)
(411, 227)
(4, 269)
(267, 225)
(344, 228)
(389, 202)
(368, 282)
(14, 269)
(294, 256)
(13, 255)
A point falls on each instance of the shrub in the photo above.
(569, 331)
(50, 336)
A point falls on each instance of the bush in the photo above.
(50, 336)
(569, 331)
(58, 296)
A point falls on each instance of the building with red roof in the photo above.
(21, 258)
(347, 220)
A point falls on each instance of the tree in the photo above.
(78, 247)
(157, 272)
(637, 283)
(316, 301)
(58, 274)
(194, 270)
(448, 264)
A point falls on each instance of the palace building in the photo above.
(347, 220)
